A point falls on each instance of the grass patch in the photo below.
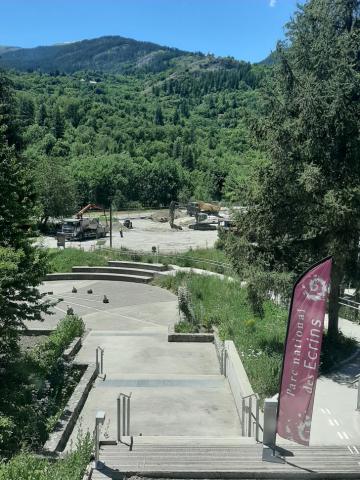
(259, 341)
(29, 467)
(352, 314)
(62, 261)
(185, 327)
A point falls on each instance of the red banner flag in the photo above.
(302, 353)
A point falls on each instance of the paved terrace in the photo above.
(177, 391)
(176, 388)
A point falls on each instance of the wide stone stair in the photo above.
(218, 458)
(121, 271)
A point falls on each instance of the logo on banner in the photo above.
(316, 289)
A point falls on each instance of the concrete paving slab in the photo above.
(142, 302)
(176, 388)
(150, 353)
(203, 408)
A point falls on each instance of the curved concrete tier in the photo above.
(118, 277)
(157, 267)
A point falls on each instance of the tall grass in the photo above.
(259, 341)
(26, 466)
(207, 259)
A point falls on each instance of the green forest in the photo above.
(139, 139)
(133, 124)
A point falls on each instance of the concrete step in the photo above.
(156, 267)
(155, 442)
(225, 461)
(115, 271)
(97, 276)
(166, 381)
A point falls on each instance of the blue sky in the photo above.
(245, 29)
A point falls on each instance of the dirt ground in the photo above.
(150, 228)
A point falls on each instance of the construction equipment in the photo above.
(202, 207)
(127, 223)
(81, 228)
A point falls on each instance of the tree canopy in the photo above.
(305, 198)
(22, 266)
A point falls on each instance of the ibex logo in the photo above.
(316, 289)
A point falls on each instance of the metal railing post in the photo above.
(118, 419)
(243, 417)
(128, 416)
(123, 415)
(97, 361)
(257, 420)
(99, 420)
(100, 362)
(249, 419)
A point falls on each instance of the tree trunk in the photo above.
(44, 220)
(337, 275)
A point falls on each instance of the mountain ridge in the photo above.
(113, 54)
(109, 54)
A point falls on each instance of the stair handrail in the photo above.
(123, 417)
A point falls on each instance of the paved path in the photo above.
(176, 388)
(335, 419)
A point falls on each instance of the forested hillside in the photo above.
(140, 138)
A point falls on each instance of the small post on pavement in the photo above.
(111, 223)
(99, 420)
(269, 434)
(358, 396)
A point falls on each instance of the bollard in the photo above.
(269, 434)
(99, 420)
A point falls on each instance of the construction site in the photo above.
(173, 229)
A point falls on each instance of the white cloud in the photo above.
(272, 3)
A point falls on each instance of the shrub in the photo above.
(29, 467)
(38, 385)
(185, 304)
(46, 354)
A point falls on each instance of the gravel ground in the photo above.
(147, 233)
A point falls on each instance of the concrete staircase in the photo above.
(115, 271)
(221, 458)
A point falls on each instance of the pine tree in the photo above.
(158, 118)
(58, 123)
(305, 202)
(177, 148)
(176, 117)
(42, 115)
(22, 266)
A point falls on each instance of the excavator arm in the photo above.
(90, 206)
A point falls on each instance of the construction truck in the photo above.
(194, 208)
(82, 228)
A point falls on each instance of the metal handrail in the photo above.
(349, 300)
(123, 417)
(184, 257)
(100, 364)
